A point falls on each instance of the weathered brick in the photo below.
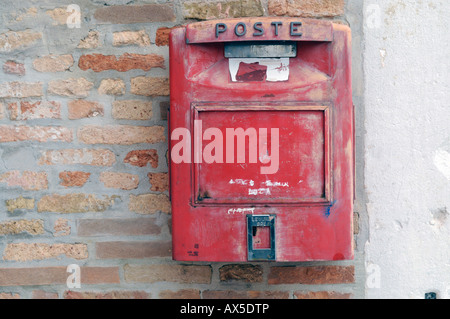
(117, 227)
(162, 36)
(132, 110)
(277, 7)
(99, 275)
(12, 67)
(116, 180)
(79, 109)
(5, 295)
(53, 63)
(42, 294)
(21, 89)
(221, 10)
(316, 275)
(139, 38)
(307, 8)
(27, 180)
(79, 87)
(35, 133)
(141, 158)
(33, 111)
(245, 273)
(74, 203)
(2, 111)
(94, 157)
(127, 14)
(91, 41)
(164, 108)
(73, 179)
(149, 204)
(19, 204)
(321, 295)
(239, 294)
(32, 276)
(132, 249)
(25, 13)
(61, 228)
(15, 40)
(40, 251)
(112, 87)
(355, 223)
(111, 2)
(159, 181)
(126, 62)
(149, 86)
(107, 295)
(59, 15)
(14, 227)
(38, 276)
(121, 134)
(180, 294)
(186, 274)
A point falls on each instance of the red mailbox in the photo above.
(261, 140)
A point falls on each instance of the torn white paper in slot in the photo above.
(277, 69)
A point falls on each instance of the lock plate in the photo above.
(261, 237)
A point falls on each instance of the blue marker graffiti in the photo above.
(328, 209)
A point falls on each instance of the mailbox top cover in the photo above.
(259, 29)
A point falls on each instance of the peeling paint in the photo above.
(383, 57)
(441, 160)
(277, 69)
(440, 216)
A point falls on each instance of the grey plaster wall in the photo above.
(407, 147)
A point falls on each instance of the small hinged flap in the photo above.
(253, 222)
(261, 49)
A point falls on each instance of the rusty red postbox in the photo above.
(261, 129)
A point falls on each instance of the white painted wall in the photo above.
(407, 147)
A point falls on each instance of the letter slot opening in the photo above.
(264, 49)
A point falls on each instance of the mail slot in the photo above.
(261, 128)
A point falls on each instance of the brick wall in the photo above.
(83, 149)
